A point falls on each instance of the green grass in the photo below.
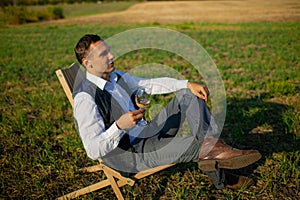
(41, 152)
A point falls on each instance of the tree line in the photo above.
(4, 3)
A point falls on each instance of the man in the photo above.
(108, 121)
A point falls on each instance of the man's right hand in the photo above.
(130, 119)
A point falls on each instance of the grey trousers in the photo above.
(159, 144)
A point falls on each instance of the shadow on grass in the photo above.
(258, 124)
(267, 126)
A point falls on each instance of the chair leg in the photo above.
(85, 190)
(114, 186)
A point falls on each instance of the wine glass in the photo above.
(142, 100)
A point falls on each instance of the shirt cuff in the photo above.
(117, 134)
(115, 129)
(182, 84)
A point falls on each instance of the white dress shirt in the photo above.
(98, 140)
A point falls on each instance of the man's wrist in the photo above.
(188, 84)
(118, 126)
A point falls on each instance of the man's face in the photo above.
(100, 60)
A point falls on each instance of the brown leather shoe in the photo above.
(216, 154)
(236, 182)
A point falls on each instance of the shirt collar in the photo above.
(100, 82)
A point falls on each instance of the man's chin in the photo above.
(106, 74)
(113, 67)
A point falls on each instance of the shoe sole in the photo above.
(231, 163)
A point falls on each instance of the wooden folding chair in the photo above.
(68, 78)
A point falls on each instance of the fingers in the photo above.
(202, 97)
(135, 112)
(206, 90)
(136, 116)
(130, 119)
(204, 93)
(199, 90)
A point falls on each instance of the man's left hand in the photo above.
(199, 90)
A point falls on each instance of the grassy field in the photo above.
(41, 152)
(170, 12)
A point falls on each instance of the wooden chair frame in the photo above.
(67, 78)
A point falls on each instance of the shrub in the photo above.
(21, 15)
(17, 15)
(57, 12)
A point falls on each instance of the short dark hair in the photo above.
(82, 47)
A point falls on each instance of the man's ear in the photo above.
(86, 63)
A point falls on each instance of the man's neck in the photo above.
(105, 76)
